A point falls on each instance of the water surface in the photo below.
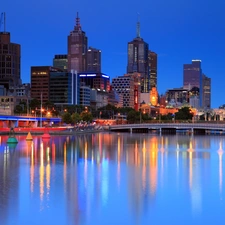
(112, 178)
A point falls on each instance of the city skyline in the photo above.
(178, 33)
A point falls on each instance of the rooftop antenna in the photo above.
(78, 21)
(138, 25)
(1, 20)
(4, 22)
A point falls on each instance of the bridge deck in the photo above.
(176, 126)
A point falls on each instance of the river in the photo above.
(112, 179)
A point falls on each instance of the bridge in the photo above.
(24, 121)
(170, 127)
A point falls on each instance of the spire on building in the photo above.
(78, 26)
(138, 26)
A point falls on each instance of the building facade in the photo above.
(152, 58)
(9, 61)
(124, 86)
(138, 60)
(40, 77)
(85, 95)
(77, 48)
(177, 96)
(64, 88)
(93, 60)
(206, 84)
(20, 90)
(95, 80)
(61, 62)
(192, 77)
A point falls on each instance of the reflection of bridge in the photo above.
(171, 127)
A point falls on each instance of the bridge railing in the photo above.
(169, 125)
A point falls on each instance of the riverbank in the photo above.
(51, 130)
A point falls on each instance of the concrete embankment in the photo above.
(51, 131)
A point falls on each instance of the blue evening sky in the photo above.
(177, 30)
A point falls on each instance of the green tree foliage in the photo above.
(76, 118)
(184, 113)
(34, 103)
(66, 117)
(86, 116)
(133, 116)
(18, 109)
(48, 105)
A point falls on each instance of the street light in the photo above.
(34, 112)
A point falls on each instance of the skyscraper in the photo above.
(192, 77)
(77, 48)
(152, 58)
(93, 60)
(138, 60)
(206, 84)
(9, 61)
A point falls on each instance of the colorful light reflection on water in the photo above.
(110, 178)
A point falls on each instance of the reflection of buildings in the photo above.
(88, 169)
(220, 154)
(9, 182)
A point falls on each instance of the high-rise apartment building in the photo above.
(9, 61)
(77, 49)
(138, 60)
(152, 58)
(93, 60)
(61, 62)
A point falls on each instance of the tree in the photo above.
(132, 116)
(76, 118)
(184, 113)
(18, 109)
(86, 116)
(66, 117)
(34, 103)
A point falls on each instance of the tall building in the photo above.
(128, 89)
(64, 88)
(95, 81)
(61, 62)
(93, 60)
(192, 77)
(77, 48)
(9, 61)
(138, 60)
(152, 58)
(206, 84)
(40, 80)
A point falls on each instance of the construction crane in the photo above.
(2, 21)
